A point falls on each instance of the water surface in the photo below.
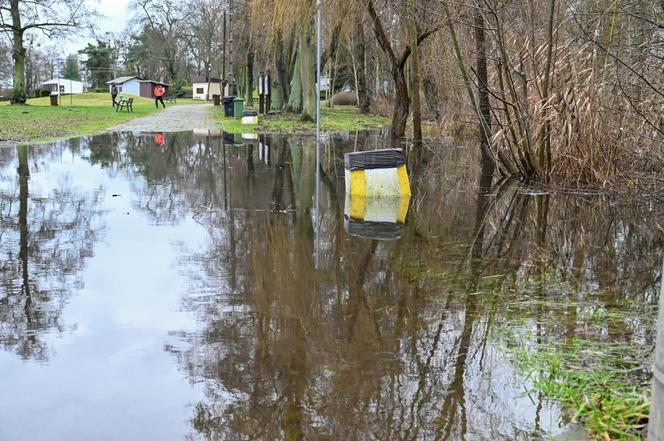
(188, 288)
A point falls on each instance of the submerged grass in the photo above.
(337, 119)
(602, 385)
(570, 343)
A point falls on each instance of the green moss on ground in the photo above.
(337, 119)
(83, 114)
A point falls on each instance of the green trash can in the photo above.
(238, 107)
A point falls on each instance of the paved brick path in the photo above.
(176, 118)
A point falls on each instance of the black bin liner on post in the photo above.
(228, 106)
(385, 158)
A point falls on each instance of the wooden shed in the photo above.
(147, 88)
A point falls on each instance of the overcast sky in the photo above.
(115, 18)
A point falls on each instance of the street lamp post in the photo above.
(57, 61)
(209, 72)
(318, 219)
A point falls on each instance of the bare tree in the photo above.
(5, 63)
(397, 61)
(20, 17)
(163, 24)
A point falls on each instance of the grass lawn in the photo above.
(337, 119)
(78, 115)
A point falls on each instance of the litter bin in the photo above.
(238, 107)
(228, 106)
(216, 100)
(54, 99)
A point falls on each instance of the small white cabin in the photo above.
(126, 85)
(200, 87)
(62, 86)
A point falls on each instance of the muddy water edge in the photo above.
(186, 287)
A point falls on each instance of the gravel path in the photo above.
(178, 118)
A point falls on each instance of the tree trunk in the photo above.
(19, 94)
(359, 54)
(307, 56)
(483, 88)
(282, 64)
(544, 150)
(415, 70)
(432, 96)
(23, 176)
(401, 103)
(249, 77)
(401, 98)
(295, 98)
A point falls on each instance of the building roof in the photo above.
(61, 80)
(204, 79)
(155, 82)
(121, 80)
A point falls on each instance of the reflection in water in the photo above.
(47, 233)
(380, 218)
(308, 332)
(371, 340)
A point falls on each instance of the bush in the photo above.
(101, 90)
(180, 89)
(40, 93)
(185, 92)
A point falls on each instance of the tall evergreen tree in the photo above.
(98, 63)
(71, 70)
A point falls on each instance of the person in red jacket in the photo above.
(159, 93)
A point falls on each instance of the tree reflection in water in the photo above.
(47, 233)
(381, 340)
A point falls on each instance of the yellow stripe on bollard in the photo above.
(404, 182)
(403, 208)
(358, 205)
(358, 183)
(247, 120)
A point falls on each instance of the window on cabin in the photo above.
(199, 90)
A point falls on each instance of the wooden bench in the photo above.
(125, 104)
(172, 99)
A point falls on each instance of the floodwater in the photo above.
(200, 287)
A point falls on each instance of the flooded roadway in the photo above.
(184, 286)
